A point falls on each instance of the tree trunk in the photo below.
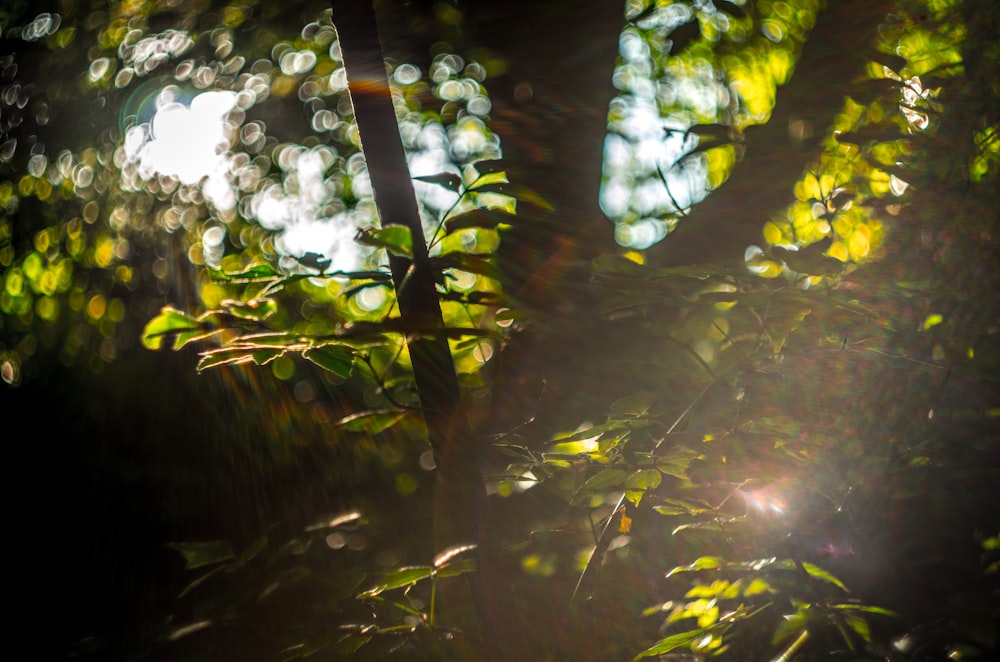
(459, 492)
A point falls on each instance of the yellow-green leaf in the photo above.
(174, 322)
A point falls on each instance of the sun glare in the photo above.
(313, 198)
(185, 141)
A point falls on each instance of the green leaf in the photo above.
(334, 522)
(604, 480)
(338, 359)
(268, 339)
(703, 563)
(718, 133)
(882, 611)
(237, 356)
(673, 642)
(674, 466)
(488, 179)
(448, 180)
(682, 507)
(820, 573)
(256, 310)
(477, 218)
(616, 265)
(791, 624)
(708, 618)
(201, 580)
(693, 272)
(932, 320)
(487, 198)
(378, 276)
(351, 642)
(473, 264)
(587, 433)
(200, 554)
(859, 625)
(373, 421)
(709, 525)
(756, 587)
(637, 404)
(255, 548)
(254, 272)
(447, 555)
(394, 238)
(171, 321)
(567, 449)
(526, 194)
(456, 568)
(644, 479)
(877, 133)
(403, 577)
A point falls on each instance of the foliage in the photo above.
(744, 455)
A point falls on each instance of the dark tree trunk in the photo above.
(460, 491)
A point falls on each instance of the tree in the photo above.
(696, 429)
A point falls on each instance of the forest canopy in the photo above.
(569, 330)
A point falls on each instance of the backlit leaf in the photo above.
(477, 218)
(756, 587)
(604, 480)
(644, 479)
(454, 568)
(489, 179)
(256, 310)
(351, 642)
(473, 264)
(820, 573)
(252, 273)
(673, 642)
(633, 405)
(200, 554)
(869, 609)
(703, 563)
(450, 553)
(334, 522)
(932, 320)
(371, 422)
(338, 359)
(237, 356)
(448, 180)
(394, 238)
(859, 625)
(401, 578)
(171, 321)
